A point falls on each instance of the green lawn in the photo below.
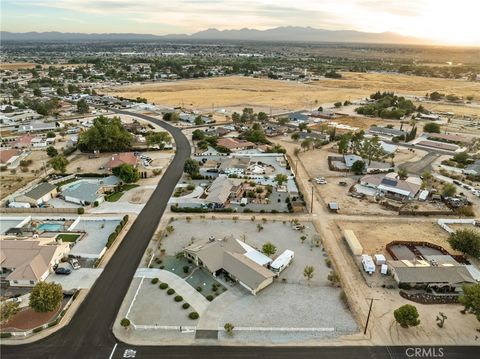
(127, 187)
(66, 237)
(114, 197)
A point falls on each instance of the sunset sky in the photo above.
(441, 21)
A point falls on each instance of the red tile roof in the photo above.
(121, 158)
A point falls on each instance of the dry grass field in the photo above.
(375, 235)
(236, 92)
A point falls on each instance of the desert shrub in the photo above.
(178, 298)
(193, 315)
(163, 286)
(154, 280)
(170, 291)
(185, 306)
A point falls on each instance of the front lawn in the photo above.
(114, 197)
(68, 237)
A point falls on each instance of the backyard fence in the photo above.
(39, 210)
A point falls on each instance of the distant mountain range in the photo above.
(278, 34)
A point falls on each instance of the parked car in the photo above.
(74, 263)
(63, 271)
(320, 180)
(343, 183)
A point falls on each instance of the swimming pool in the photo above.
(50, 227)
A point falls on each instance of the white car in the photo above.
(320, 180)
(74, 263)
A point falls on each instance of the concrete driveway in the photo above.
(79, 279)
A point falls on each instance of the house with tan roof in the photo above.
(38, 195)
(120, 159)
(235, 259)
(9, 157)
(24, 263)
(235, 144)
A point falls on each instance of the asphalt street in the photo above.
(89, 334)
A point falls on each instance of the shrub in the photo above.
(185, 306)
(186, 269)
(199, 289)
(125, 323)
(80, 210)
(178, 298)
(154, 280)
(5, 335)
(37, 329)
(193, 315)
(209, 297)
(407, 316)
(163, 286)
(170, 291)
(55, 322)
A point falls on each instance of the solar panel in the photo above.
(389, 182)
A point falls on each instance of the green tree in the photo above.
(269, 249)
(337, 104)
(344, 143)
(283, 121)
(461, 157)
(8, 310)
(449, 190)
(198, 120)
(106, 135)
(296, 151)
(295, 136)
(402, 173)
(125, 323)
(59, 163)
(127, 173)
(358, 167)
(262, 116)
(45, 297)
(306, 144)
(82, 106)
(198, 135)
(372, 149)
(407, 316)
(191, 167)
(471, 299)
(51, 134)
(280, 179)
(308, 272)
(52, 151)
(235, 117)
(37, 92)
(158, 139)
(302, 126)
(431, 127)
(466, 241)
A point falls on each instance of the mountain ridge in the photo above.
(277, 34)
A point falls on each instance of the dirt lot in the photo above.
(138, 195)
(236, 92)
(375, 235)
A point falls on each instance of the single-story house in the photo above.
(24, 141)
(38, 126)
(391, 185)
(298, 117)
(408, 272)
(8, 157)
(386, 132)
(235, 165)
(239, 261)
(38, 195)
(120, 159)
(223, 190)
(234, 144)
(24, 263)
(86, 192)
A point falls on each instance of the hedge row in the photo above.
(118, 229)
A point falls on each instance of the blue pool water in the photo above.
(51, 227)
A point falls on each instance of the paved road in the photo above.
(422, 165)
(89, 334)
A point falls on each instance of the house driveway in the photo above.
(189, 294)
(82, 278)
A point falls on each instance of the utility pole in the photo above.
(368, 316)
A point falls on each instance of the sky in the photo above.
(440, 21)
